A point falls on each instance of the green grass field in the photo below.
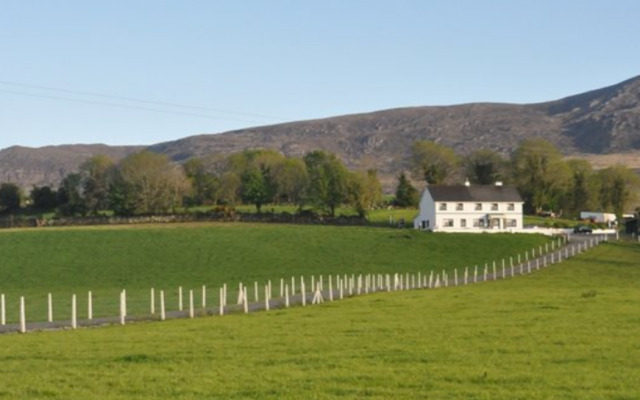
(567, 332)
(106, 260)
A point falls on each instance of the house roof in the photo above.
(477, 193)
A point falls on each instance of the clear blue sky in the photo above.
(246, 63)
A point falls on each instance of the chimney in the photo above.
(498, 183)
(467, 183)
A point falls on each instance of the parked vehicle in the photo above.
(584, 229)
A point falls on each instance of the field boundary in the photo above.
(295, 292)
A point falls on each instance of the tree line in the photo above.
(148, 183)
(545, 179)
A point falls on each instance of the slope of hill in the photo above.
(49, 165)
(603, 121)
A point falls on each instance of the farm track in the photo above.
(523, 268)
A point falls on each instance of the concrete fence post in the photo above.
(89, 305)
(245, 301)
(475, 274)
(224, 295)
(122, 307)
(180, 305)
(286, 296)
(23, 316)
(466, 275)
(281, 287)
(191, 312)
(204, 297)
(124, 296)
(495, 274)
(341, 288)
(486, 271)
(455, 276)
(152, 301)
(163, 314)
(74, 313)
(293, 285)
(240, 293)
(221, 306)
(3, 310)
(49, 308)
(303, 293)
(266, 298)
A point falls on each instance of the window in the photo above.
(478, 206)
(448, 222)
(463, 223)
(478, 223)
(459, 207)
(443, 207)
(511, 207)
(512, 223)
(494, 207)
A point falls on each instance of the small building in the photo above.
(470, 208)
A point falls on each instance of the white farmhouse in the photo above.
(470, 208)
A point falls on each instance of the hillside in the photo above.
(604, 121)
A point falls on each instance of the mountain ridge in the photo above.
(600, 121)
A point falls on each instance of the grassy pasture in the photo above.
(106, 260)
(567, 332)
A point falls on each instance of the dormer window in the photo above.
(478, 206)
(459, 207)
(443, 207)
(494, 207)
(511, 207)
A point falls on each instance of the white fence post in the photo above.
(204, 297)
(74, 313)
(123, 306)
(466, 275)
(153, 301)
(180, 305)
(245, 301)
(3, 311)
(23, 316)
(293, 285)
(303, 293)
(222, 301)
(49, 308)
(266, 298)
(224, 295)
(191, 314)
(163, 314)
(89, 305)
(286, 296)
(281, 287)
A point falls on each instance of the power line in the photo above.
(103, 103)
(136, 100)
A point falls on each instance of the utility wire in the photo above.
(131, 99)
(104, 103)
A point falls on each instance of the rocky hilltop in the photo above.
(604, 121)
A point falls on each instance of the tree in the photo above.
(433, 162)
(147, 183)
(43, 198)
(582, 190)
(541, 175)
(204, 185)
(406, 193)
(256, 187)
(617, 187)
(9, 198)
(484, 167)
(70, 201)
(96, 174)
(364, 191)
(291, 179)
(327, 188)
